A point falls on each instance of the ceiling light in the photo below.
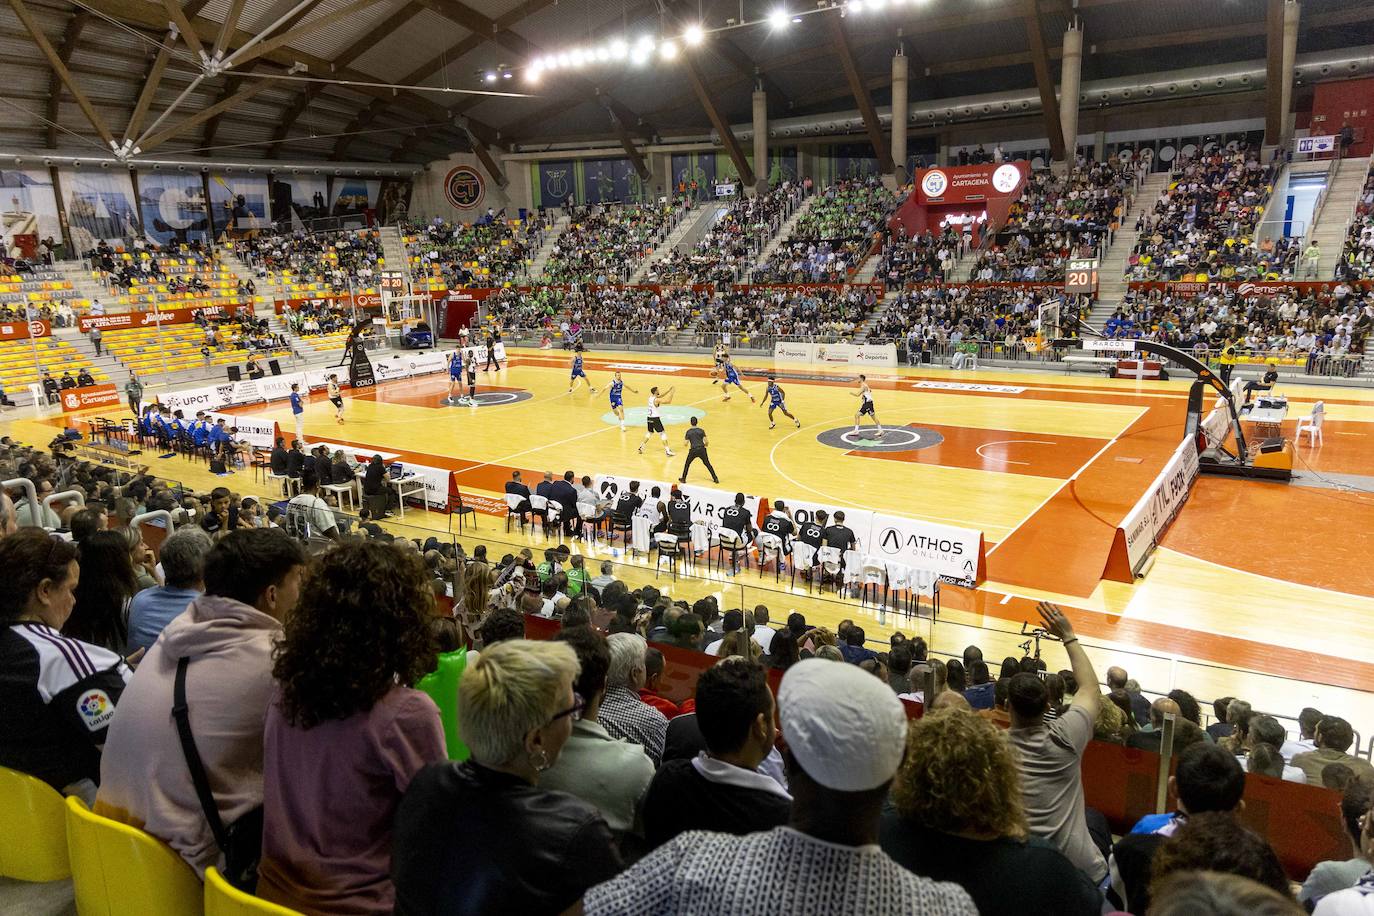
(855, 6)
(532, 75)
(796, 19)
(491, 77)
(693, 35)
(619, 49)
(603, 54)
(668, 49)
(506, 74)
(565, 60)
(645, 44)
(778, 19)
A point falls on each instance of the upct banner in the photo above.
(1142, 527)
(836, 354)
(74, 399)
(23, 330)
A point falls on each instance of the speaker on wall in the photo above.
(274, 366)
(234, 373)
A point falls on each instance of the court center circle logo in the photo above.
(1005, 179)
(934, 183)
(464, 187)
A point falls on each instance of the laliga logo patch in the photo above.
(934, 183)
(1004, 180)
(95, 709)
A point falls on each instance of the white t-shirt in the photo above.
(653, 406)
(313, 511)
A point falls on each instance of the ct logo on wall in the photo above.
(934, 183)
(1004, 180)
(464, 187)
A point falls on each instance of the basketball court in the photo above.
(1045, 465)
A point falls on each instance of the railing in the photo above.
(30, 497)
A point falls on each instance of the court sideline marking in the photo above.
(1100, 452)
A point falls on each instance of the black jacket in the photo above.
(279, 461)
(373, 483)
(469, 840)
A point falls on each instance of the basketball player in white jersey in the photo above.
(655, 420)
(865, 396)
(336, 398)
(722, 356)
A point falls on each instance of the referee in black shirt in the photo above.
(696, 448)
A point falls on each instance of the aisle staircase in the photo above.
(785, 231)
(1111, 272)
(684, 236)
(541, 257)
(1333, 221)
(394, 250)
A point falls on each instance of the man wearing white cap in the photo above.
(845, 732)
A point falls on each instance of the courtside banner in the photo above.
(190, 400)
(436, 482)
(955, 555)
(1143, 526)
(836, 354)
(89, 396)
(794, 352)
(399, 367)
(708, 504)
(257, 432)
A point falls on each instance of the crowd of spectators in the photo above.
(1206, 219)
(827, 312)
(572, 312)
(1357, 260)
(490, 252)
(339, 259)
(728, 251)
(584, 784)
(1057, 217)
(1317, 327)
(940, 318)
(827, 243)
(926, 257)
(605, 243)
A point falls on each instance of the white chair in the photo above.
(871, 572)
(804, 558)
(590, 516)
(899, 586)
(831, 563)
(770, 545)
(728, 539)
(513, 503)
(1312, 424)
(853, 570)
(545, 511)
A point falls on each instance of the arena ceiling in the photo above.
(284, 96)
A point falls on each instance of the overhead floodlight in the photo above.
(668, 49)
(619, 49)
(778, 19)
(491, 77)
(693, 35)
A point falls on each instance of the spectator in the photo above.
(1307, 733)
(606, 578)
(1266, 734)
(623, 714)
(57, 694)
(785, 652)
(610, 774)
(87, 522)
(358, 640)
(947, 827)
(722, 790)
(653, 675)
(107, 583)
(1051, 753)
(1207, 779)
(1220, 728)
(307, 515)
(1188, 893)
(845, 735)
(1118, 680)
(183, 568)
(251, 581)
(853, 648)
(1336, 875)
(1333, 739)
(1150, 740)
(1217, 841)
(484, 836)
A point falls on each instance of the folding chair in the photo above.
(831, 564)
(623, 525)
(456, 507)
(513, 503)
(770, 545)
(803, 558)
(667, 545)
(731, 541)
(871, 573)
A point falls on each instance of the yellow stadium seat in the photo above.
(223, 899)
(118, 870)
(33, 829)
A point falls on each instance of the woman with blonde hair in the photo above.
(959, 816)
(482, 836)
(737, 642)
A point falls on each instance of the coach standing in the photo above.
(696, 448)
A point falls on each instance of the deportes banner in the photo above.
(1143, 526)
(836, 354)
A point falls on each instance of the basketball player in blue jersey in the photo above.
(776, 401)
(577, 370)
(866, 408)
(617, 393)
(732, 378)
(455, 372)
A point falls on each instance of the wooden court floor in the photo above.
(1259, 590)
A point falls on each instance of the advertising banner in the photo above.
(953, 554)
(89, 396)
(416, 363)
(23, 330)
(836, 354)
(708, 504)
(173, 207)
(256, 431)
(239, 201)
(100, 205)
(1246, 288)
(152, 319)
(970, 183)
(30, 206)
(436, 482)
(1143, 526)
